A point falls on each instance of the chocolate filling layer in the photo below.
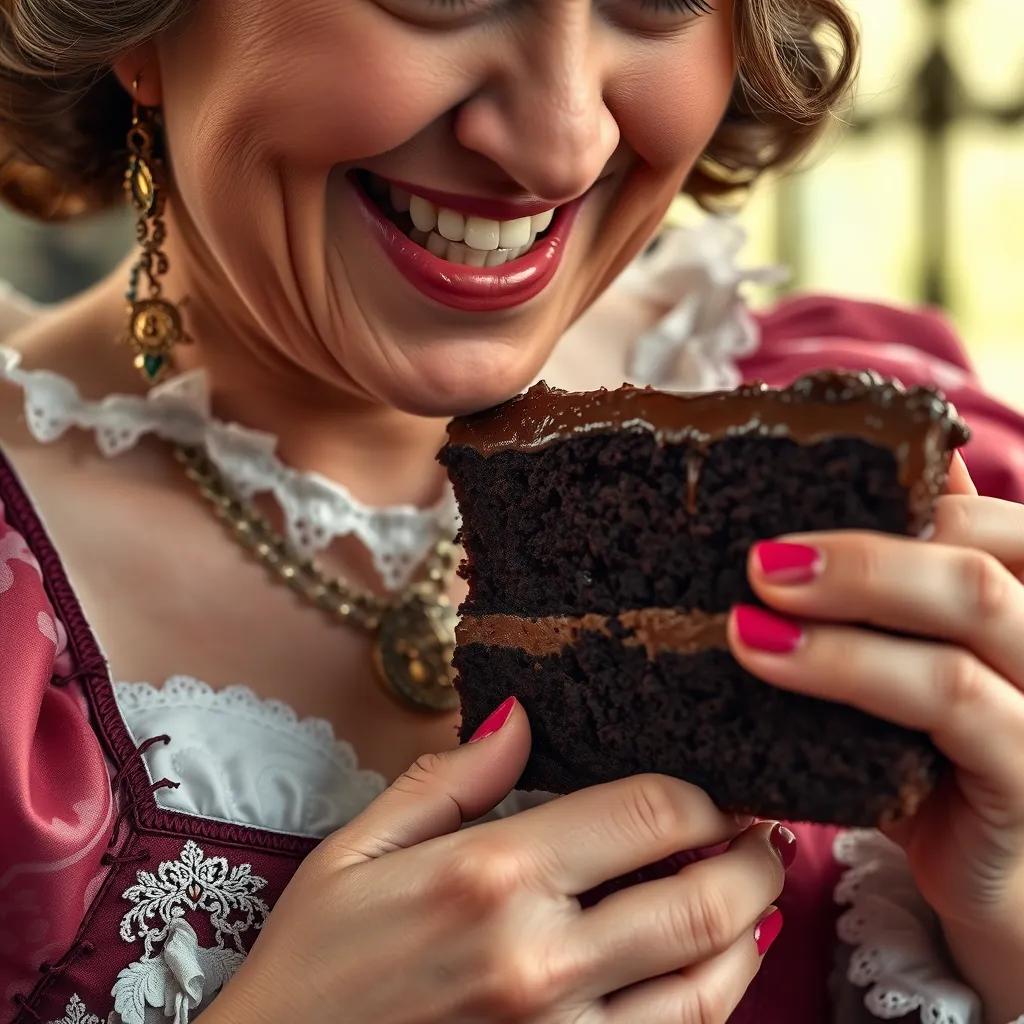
(658, 630)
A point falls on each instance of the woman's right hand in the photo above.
(401, 918)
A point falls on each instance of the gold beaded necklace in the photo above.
(414, 632)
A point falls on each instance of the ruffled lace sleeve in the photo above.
(893, 958)
(693, 272)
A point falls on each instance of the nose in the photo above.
(541, 116)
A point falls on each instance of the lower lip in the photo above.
(474, 289)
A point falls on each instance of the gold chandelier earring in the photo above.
(154, 323)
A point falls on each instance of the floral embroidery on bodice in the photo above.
(175, 972)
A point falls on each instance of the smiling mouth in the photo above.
(453, 235)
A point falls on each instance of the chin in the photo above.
(463, 380)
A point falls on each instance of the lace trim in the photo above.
(896, 937)
(693, 270)
(316, 509)
(241, 702)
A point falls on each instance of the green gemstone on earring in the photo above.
(153, 365)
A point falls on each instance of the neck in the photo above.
(319, 427)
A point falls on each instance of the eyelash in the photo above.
(693, 6)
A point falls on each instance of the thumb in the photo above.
(440, 792)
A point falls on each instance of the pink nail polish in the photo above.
(764, 631)
(784, 843)
(767, 931)
(494, 721)
(788, 563)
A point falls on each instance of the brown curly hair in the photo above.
(63, 115)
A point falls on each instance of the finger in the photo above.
(707, 992)
(664, 925)
(988, 524)
(959, 481)
(949, 593)
(973, 715)
(440, 792)
(588, 837)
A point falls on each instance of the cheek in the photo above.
(671, 103)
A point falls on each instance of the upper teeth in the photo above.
(476, 232)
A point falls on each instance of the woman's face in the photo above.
(271, 108)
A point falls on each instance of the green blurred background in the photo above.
(919, 198)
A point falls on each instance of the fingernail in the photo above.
(764, 631)
(494, 721)
(788, 563)
(767, 931)
(744, 820)
(784, 843)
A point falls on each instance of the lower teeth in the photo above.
(459, 252)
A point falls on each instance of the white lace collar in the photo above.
(316, 509)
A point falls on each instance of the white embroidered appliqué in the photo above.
(76, 1013)
(178, 976)
(896, 937)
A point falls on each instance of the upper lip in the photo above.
(477, 206)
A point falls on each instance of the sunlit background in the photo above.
(920, 199)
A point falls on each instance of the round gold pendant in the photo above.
(155, 325)
(414, 648)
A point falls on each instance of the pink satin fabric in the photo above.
(56, 808)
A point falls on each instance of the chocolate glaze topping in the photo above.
(656, 629)
(918, 425)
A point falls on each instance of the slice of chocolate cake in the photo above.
(606, 537)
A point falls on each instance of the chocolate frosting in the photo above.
(656, 629)
(918, 425)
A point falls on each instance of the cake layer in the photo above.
(601, 709)
(596, 524)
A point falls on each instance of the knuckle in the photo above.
(479, 879)
(865, 564)
(985, 583)
(652, 808)
(518, 987)
(421, 773)
(952, 518)
(702, 924)
(960, 681)
(708, 1004)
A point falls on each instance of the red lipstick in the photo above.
(473, 289)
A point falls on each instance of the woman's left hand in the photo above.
(958, 675)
